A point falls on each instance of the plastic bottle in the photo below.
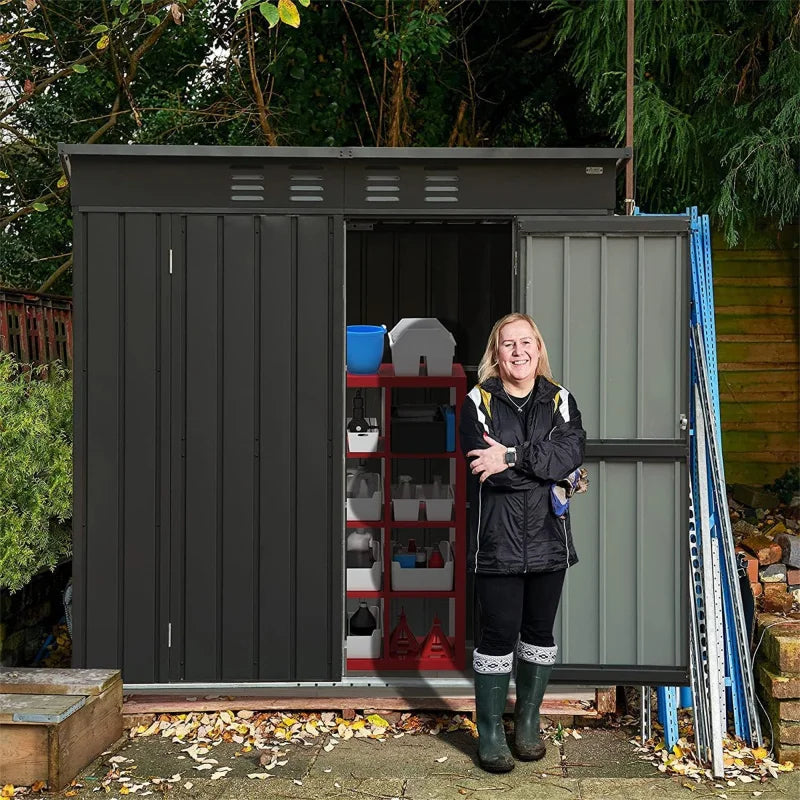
(405, 487)
(438, 488)
(412, 546)
(422, 558)
(363, 622)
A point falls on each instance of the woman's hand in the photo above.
(489, 460)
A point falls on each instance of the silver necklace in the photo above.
(518, 407)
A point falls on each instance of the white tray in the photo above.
(363, 442)
(405, 510)
(366, 579)
(364, 509)
(365, 646)
(427, 579)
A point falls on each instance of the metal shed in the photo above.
(212, 287)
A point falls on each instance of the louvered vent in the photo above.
(441, 187)
(247, 187)
(306, 186)
(383, 186)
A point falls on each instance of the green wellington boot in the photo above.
(531, 683)
(491, 691)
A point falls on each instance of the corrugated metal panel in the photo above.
(612, 308)
(203, 504)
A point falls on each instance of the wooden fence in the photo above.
(36, 328)
(758, 341)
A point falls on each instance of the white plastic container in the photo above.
(438, 509)
(364, 509)
(427, 579)
(366, 442)
(405, 510)
(366, 646)
(364, 579)
(421, 337)
(405, 500)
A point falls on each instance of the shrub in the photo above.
(35, 469)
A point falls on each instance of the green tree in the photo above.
(35, 470)
(373, 72)
(717, 101)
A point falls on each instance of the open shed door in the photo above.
(610, 297)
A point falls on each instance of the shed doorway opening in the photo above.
(461, 273)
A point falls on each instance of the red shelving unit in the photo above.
(386, 380)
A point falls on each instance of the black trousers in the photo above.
(517, 605)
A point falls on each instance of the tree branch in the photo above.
(263, 118)
(54, 276)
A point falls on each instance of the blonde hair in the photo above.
(488, 366)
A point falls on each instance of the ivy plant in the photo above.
(35, 469)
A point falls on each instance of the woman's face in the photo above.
(518, 354)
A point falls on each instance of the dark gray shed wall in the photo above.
(207, 456)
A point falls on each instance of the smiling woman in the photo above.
(523, 434)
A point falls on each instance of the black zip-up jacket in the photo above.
(513, 529)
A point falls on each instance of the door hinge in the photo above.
(169, 634)
(170, 261)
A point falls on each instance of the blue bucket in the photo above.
(364, 348)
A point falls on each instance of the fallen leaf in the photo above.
(259, 776)
(297, 782)
(441, 760)
(188, 785)
(7, 790)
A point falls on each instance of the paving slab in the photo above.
(603, 754)
(519, 784)
(664, 788)
(407, 768)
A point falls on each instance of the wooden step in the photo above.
(54, 722)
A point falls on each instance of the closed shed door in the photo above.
(256, 420)
(610, 298)
(209, 386)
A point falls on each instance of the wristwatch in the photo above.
(511, 456)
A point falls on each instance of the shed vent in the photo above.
(247, 187)
(441, 187)
(306, 186)
(383, 186)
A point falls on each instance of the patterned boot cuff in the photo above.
(491, 665)
(535, 654)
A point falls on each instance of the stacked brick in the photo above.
(773, 564)
(778, 670)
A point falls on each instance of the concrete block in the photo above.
(764, 549)
(753, 496)
(781, 643)
(774, 573)
(790, 549)
(777, 603)
(744, 529)
(780, 685)
(774, 528)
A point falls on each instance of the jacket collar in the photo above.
(544, 390)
